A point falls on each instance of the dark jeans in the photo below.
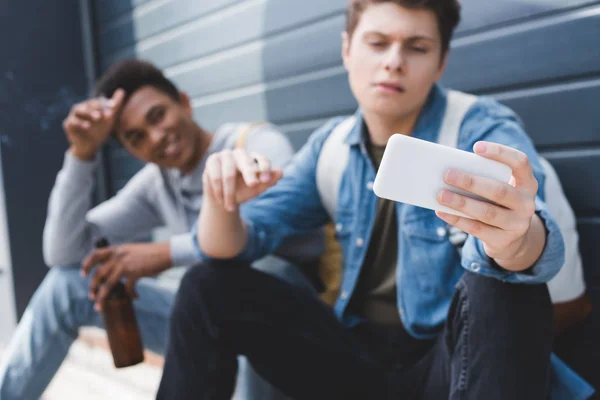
(496, 343)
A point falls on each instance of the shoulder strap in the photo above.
(240, 142)
(457, 106)
(332, 163)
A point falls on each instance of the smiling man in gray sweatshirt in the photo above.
(152, 120)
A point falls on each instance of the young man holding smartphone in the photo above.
(414, 320)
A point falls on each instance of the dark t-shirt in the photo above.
(375, 295)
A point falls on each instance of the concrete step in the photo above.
(88, 373)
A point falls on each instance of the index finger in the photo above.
(229, 173)
(247, 166)
(95, 257)
(109, 282)
(515, 159)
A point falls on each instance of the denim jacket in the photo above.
(428, 266)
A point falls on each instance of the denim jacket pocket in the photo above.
(430, 254)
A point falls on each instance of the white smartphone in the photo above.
(412, 172)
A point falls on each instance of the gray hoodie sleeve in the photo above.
(270, 142)
(70, 224)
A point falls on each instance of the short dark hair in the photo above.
(131, 75)
(447, 13)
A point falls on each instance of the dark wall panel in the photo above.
(40, 81)
(110, 10)
(579, 172)
(589, 230)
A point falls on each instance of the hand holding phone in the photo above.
(490, 194)
(412, 171)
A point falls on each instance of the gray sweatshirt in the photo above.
(154, 197)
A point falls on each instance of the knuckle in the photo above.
(214, 161)
(229, 178)
(530, 208)
(535, 185)
(226, 154)
(500, 193)
(489, 213)
(468, 181)
(522, 160)
(476, 227)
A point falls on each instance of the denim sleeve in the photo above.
(292, 207)
(490, 121)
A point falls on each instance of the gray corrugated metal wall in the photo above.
(238, 59)
(279, 60)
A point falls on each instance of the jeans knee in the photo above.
(63, 284)
(202, 288)
(205, 276)
(481, 296)
(479, 286)
(284, 270)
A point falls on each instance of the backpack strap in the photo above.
(457, 106)
(332, 163)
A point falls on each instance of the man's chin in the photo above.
(388, 110)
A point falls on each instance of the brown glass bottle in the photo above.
(121, 325)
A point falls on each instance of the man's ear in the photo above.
(345, 48)
(186, 103)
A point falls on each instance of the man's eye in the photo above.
(157, 115)
(378, 45)
(420, 49)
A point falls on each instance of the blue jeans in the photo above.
(495, 345)
(60, 306)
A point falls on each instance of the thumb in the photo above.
(130, 287)
(276, 175)
(115, 103)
